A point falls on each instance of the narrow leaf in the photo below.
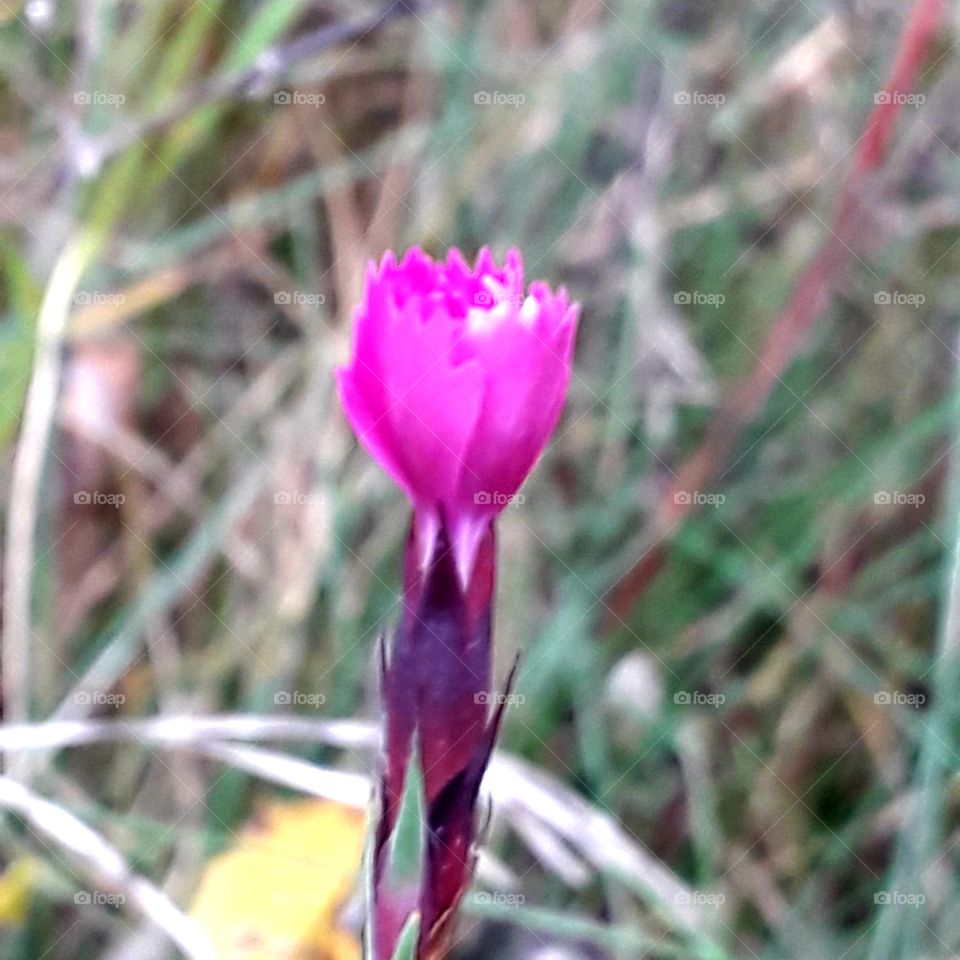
(408, 842)
(407, 944)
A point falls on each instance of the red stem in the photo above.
(811, 294)
(918, 35)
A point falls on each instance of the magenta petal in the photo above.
(457, 381)
(528, 374)
(371, 427)
(434, 404)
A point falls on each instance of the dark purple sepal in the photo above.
(451, 840)
(436, 690)
(437, 678)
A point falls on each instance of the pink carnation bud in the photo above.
(457, 380)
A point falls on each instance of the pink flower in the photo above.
(457, 380)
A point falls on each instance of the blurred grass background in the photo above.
(188, 194)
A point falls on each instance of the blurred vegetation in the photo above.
(772, 713)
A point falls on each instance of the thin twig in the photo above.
(28, 464)
(186, 730)
(106, 864)
(599, 838)
(343, 787)
(513, 785)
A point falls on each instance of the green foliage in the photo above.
(408, 843)
(407, 945)
(798, 598)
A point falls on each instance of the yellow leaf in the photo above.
(277, 894)
(15, 886)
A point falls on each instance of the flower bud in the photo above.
(456, 383)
